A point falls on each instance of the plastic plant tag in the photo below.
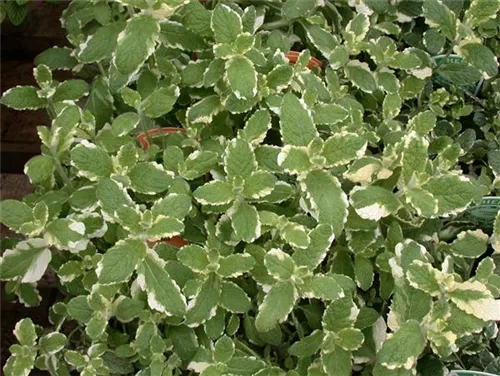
(447, 62)
(483, 213)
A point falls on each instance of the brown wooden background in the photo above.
(18, 138)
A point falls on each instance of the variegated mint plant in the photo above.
(263, 188)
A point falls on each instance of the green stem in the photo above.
(243, 347)
(61, 171)
(274, 25)
(101, 69)
(297, 325)
(60, 324)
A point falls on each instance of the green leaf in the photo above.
(329, 114)
(388, 81)
(193, 74)
(199, 163)
(39, 169)
(373, 202)
(366, 318)
(481, 57)
(71, 90)
(16, 13)
(176, 35)
(391, 106)
(363, 270)
(438, 15)
(360, 75)
(79, 309)
(223, 349)
(234, 299)
(239, 159)
(194, 257)
(297, 127)
(27, 262)
(101, 44)
(259, 185)
(22, 98)
(279, 264)
(203, 306)
(136, 43)
(495, 237)
(415, 156)
(235, 265)
(295, 159)
(225, 24)
(453, 193)
(204, 110)
(402, 349)
(163, 293)
(242, 77)
(320, 240)
(256, 127)
(215, 192)
(295, 235)
(480, 12)
(57, 58)
(245, 221)
(469, 244)
(160, 102)
(214, 72)
(91, 161)
(328, 200)
(342, 148)
(340, 314)
(25, 332)
(120, 261)
(149, 178)
(321, 287)
(350, 339)
(277, 305)
(244, 365)
(174, 205)
(66, 234)
(14, 214)
(337, 362)
(422, 201)
(322, 39)
(459, 73)
(124, 123)
(127, 309)
(423, 276)
(280, 77)
(97, 325)
(307, 346)
(52, 343)
(423, 122)
(293, 9)
(112, 196)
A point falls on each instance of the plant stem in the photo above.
(101, 69)
(242, 346)
(62, 173)
(274, 25)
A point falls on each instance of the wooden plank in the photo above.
(40, 31)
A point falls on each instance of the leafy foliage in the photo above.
(309, 210)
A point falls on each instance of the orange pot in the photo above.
(292, 57)
(175, 241)
(143, 139)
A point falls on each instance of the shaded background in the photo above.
(19, 140)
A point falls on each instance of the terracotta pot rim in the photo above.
(143, 138)
(292, 57)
